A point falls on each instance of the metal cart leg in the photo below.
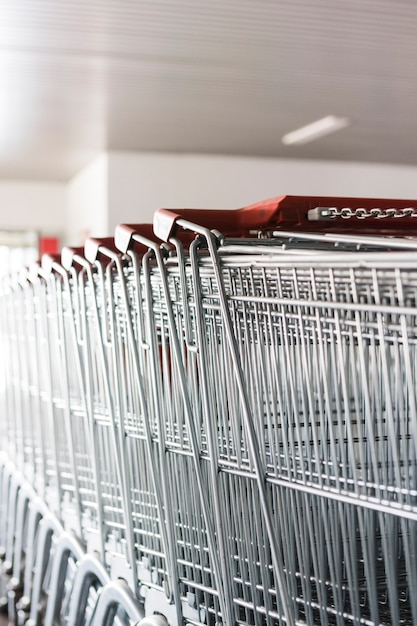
(6, 479)
(7, 471)
(48, 527)
(16, 483)
(15, 585)
(37, 510)
(4, 472)
(90, 573)
(115, 595)
(12, 484)
(68, 547)
(25, 496)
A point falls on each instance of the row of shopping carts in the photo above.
(214, 421)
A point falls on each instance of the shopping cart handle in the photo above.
(307, 213)
(23, 275)
(124, 236)
(69, 254)
(238, 222)
(48, 261)
(93, 249)
(34, 271)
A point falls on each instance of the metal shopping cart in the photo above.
(307, 375)
(229, 419)
(51, 500)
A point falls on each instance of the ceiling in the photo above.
(211, 76)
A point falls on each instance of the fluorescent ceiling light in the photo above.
(313, 131)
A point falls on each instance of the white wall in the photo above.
(87, 202)
(139, 183)
(128, 187)
(30, 205)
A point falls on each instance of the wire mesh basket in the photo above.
(225, 410)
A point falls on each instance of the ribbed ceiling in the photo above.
(218, 76)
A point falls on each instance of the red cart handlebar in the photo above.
(302, 213)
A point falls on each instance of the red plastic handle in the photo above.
(93, 249)
(124, 237)
(48, 260)
(33, 271)
(69, 255)
(288, 213)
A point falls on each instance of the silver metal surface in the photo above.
(311, 368)
(230, 426)
(360, 213)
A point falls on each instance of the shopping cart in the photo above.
(172, 431)
(306, 370)
(226, 421)
(47, 481)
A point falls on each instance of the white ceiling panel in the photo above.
(225, 76)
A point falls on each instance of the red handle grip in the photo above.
(48, 260)
(69, 254)
(93, 249)
(292, 213)
(124, 237)
(33, 271)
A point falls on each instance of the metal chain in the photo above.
(360, 213)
